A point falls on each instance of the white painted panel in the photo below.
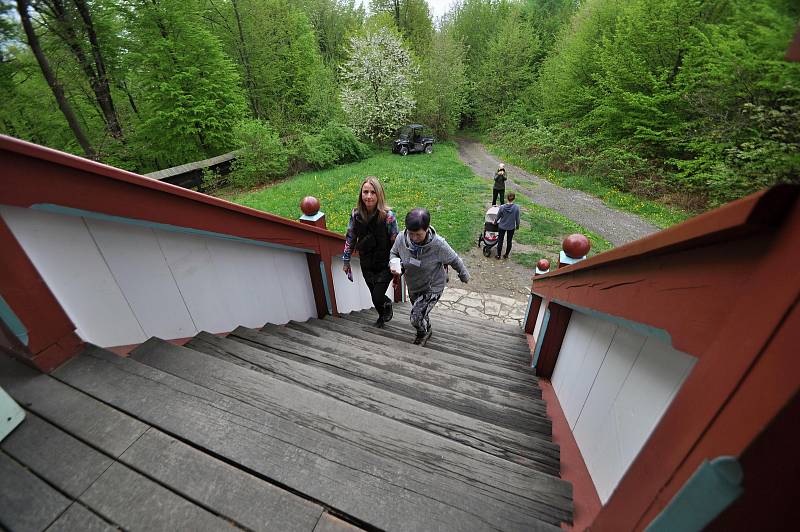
(140, 269)
(585, 376)
(295, 283)
(654, 379)
(250, 282)
(623, 382)
(67, 258)
(198, 279)
(354, 295)
(537, 326)
(579, 333)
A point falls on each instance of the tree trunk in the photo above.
(55, 86)
(102, 89)
(249, 82)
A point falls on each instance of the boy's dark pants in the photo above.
(500, 235)
(498, 194)
(423, 304)
(378, 283)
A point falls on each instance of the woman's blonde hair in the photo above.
(380, 207)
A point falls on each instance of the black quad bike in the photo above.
(413, 140)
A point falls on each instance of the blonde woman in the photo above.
(371, 231)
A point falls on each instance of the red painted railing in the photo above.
(35, 175)
(725, 286)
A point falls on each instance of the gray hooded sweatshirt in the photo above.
(424, 264)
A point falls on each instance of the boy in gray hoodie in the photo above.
(423, 255)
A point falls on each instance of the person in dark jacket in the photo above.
(507, 223)
(372, 230)
(499, 188)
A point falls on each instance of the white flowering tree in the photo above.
(378, 84)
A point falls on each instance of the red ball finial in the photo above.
(543, 265)
(576, 246)
(309, 205)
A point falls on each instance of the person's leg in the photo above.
(510, 234)
(502, 196)
(494, 197)
(382, 303)
(377, 290)
(500, 235)
(420, 320)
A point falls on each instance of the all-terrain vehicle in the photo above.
(412, 140)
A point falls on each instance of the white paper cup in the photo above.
(394, 265)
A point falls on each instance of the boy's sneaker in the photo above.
(423, 339)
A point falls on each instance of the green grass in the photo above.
(656, 213)
(456, 197)
(439, 182)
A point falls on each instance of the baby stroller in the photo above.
(490, 231)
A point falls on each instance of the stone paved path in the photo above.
(480, 305)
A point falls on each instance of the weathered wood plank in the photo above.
(136, 503)
(441, 338)
(109, 430)
(27, 503)
(329, 523)
(412, 354)
(361, 428)
(228, 491)
(372, 488)
(524, 381)
(79, 518)
(403, 335)
(465, 404)
(378, 356)
(485, 332)
(61, 460)
(527, 450)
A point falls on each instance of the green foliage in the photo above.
(333, 21)
(334, 144)
(441, 95)
(412, 18)
(261, 157)
(189, 90)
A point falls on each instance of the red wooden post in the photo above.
(312, 216)
(542, 267)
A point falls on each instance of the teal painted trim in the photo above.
(714, 486)
(313, 217)
(641, 328)
(539, 340)
(69, 211)
(325, 287)
(11, 414)
(13, 322)
(528, 311)
(563, 258)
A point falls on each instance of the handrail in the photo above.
(42, 178)
(725, 288)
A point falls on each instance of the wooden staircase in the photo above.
(331, 424)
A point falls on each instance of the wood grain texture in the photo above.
(527, 450)
(230, 492)
(373, 488)
(410, 387)
(27, 503)
(79, 518)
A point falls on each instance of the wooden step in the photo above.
(357, 481)
(489, 373)
(460, 317)
(444, 341)
(465, 404)
(528, 450)
(382, 357)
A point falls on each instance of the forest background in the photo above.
(686, 101)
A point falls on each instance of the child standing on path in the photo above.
(499, 188)
(423, 255)
(507, 223)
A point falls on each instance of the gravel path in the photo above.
(615, 226)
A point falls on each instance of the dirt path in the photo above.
(615, 226)
(507, 278)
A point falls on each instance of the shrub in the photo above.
(261, 156)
